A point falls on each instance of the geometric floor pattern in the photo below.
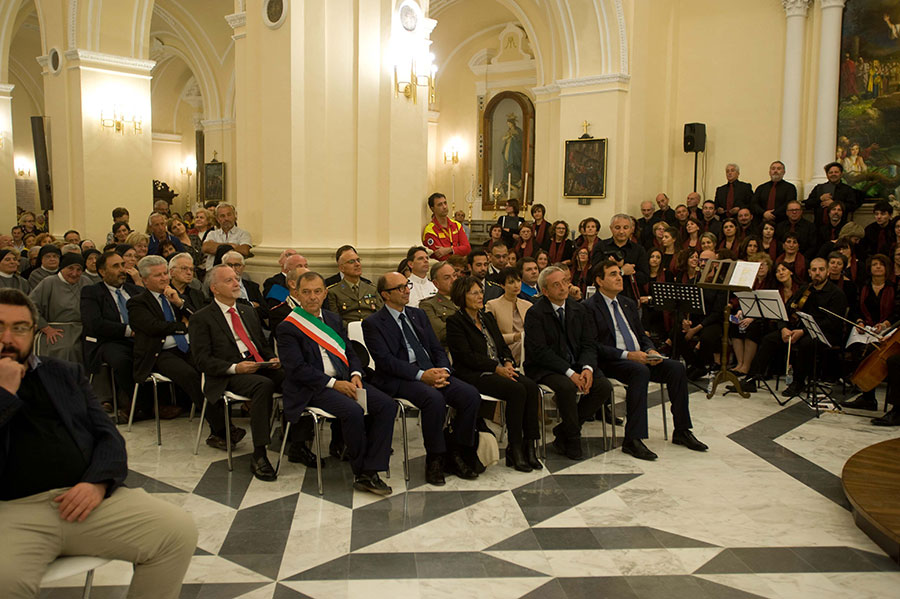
(759, 515)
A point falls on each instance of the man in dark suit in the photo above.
(322, 370)
(630, 357)
(631, 256)
(410, 363)
(161, 343)
(833, 190)
(62, 465)
(770, 199)
(228, 345)
(104, 314)
(250, 293)
(664, 213)
(799, 226)
(710, 223)
(560, 352)
(734, 195)
(274, 288)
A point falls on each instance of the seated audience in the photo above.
(353, 297)
(227, 233)
(526, 246)
(90, 266)
(9, 276)
(249, 289)
(439, 307)
(528, 272)
(561, 248)
(48, 264)
(499, 259)
(58, 301)
(190, 241)
(274, 288)
(141, 244)
(542, 229)
(509, 311)
(417, 257)
(157, 225)
(581, 270)
(181, 277)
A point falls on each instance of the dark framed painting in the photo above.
(584, 174)
(868, 143)
(214, 177)
(507, 165)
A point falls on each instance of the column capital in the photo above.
(796, 8)
(833, 4)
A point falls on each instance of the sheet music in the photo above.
(744, 274)
(857, 337)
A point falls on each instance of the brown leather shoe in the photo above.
(168, 412)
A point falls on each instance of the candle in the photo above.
(508, 185)
(453, 191)
(525, 192)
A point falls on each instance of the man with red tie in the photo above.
(734, 195)
(770, 199)
(228, 346)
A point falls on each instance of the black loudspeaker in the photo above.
(41, 163)
(694, 137)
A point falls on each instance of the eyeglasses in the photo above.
(235, 264)
(407, 285)
(353, 261)
(18, 329)
(475, 292)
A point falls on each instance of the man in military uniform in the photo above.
(439, 306)
(353, 298)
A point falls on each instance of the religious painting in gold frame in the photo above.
(507, 162)
(584, 173)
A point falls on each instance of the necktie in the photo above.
(882, 240)
(561, 313)
(793, 227)
(422, 358)
(242, 334)
(729, 201)
(771, 204)
(180, 340)
(355, 289)
(123, 310)
(623, 327)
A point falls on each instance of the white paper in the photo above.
(744, 274)
(362, 400)
(858, 337)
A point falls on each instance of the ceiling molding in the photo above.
(593, 80)
(168, 138)
(100, 59)
(238, 19)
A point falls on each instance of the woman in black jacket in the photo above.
(481, 358)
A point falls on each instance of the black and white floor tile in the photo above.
(761, 514)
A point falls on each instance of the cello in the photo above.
(873, 369)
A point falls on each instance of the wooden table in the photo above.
(871, 481)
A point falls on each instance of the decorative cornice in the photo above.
(593, 80)
(236, 20)
(826, 4)
(545, 90)
(6, 88)
(100, 59)
(44, 61)
(212, 124)
(434, 116)
(796, 8)
(172, 138)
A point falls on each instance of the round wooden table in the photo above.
(871, 481)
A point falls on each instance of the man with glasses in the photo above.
(804, 230)
(410, 363)
(352, 298)
(62, 465)
(181, 275)
(250, 293)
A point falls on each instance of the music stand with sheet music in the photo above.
(678, 298)
(765, 304)
(814, 387)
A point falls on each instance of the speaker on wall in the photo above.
(41, 163)
(694, 137)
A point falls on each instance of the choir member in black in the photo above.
(482, 359)
(543, 259)
(705, 328)
(746, 336)
(644, 225)
(708, 241)
(589, 237)
(818, 293)
(877, 310)
(879, 236)
(561, 248)
(681, 218)
(792, 258)
(734, 195)
(749, 246)
(852, 234)
(746, 224)
(895, 265)
(494, 235)
(771, 198)
(831, 229)
(799, 226)
(658, 228)
(511, 221)
(851, 270)
(630, 256)
(669, 249)
(526, 245)
(833, 190)
(837, 268)
(693, 205)
(581, 270)
(767, 241)
(542, 229)
(652, 317)
(664, 213)
(710, 223)
(691, 239)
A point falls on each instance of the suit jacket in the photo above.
(606, 328)
(545, 347)
(336, 278)
(806, 236)
(503, 314)
(193, 300)
(304, 371)
(842, 193)
(100, 320)
(255, 295)
(743, 195)
(150, 330)
(469, 348)
(214, 349)
(784, 192)
(277, 279)
(438, 308)
(93, 431)
(387, 346)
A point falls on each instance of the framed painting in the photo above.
(214, 177)
(584, 173)
(507, 166)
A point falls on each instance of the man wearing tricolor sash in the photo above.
(321, 370)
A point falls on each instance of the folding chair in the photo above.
(154, 378)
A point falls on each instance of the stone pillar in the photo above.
(827, 92)
(7, 166)
(791, 108)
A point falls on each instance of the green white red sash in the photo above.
(316, 329)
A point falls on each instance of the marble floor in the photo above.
(760, 515)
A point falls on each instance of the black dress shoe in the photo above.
(696, 372)
(531, 456)
(688, 439)
(237, 433)
(865, 401)
(515, 458)
(573, 448)
(458, 466)
(892, 418)
(434, 471)
(559, 444)
(262, 469)
(748, 384)
(299, 453)
(636, 448)
(606, 414)
(793, 390)
(338, 451)
(371, 483)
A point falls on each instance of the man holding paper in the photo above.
(321, 370)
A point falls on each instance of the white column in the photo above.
(827, 92)
(7, 166)
(791, 108)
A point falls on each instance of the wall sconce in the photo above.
(23, 168)
(187, 170)
(119, 122)
(413, 64)
(451, 154)
(412, 74)
(2, 139)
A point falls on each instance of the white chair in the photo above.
(154, 378)
(72, 565)
(112, 386)
(319, 418)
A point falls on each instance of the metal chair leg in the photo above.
(287, 430)
(502, 422)
(318, 434)
(402, 410)
(662, 403)
(543, 425)
(156, 412)
(228, 432)
(133, 404)
(612, 411)
(115, 395)
(200, 428)
(88, 585)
